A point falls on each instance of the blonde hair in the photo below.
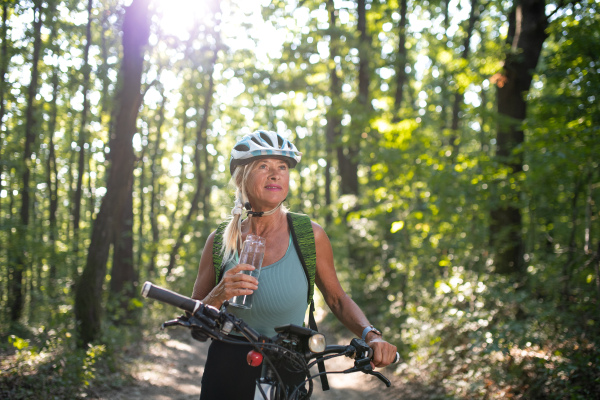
(232, 236)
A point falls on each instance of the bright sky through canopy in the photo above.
(179, 17)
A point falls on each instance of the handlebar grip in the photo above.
(169, 297)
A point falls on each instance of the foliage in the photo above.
(50, 365)
(412, 248)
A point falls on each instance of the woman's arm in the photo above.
(342, 306)
(232, 284)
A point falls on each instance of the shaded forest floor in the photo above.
(170, 364)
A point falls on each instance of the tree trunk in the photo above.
(567, 271)
(206, 227)
(88, 296)
(444, 74)
(401, 60)
(526, 36)
(141, 241)
(348, 153)
(102, 70)
(596, 262)
(3, 69)
(82, 139)
(334, 121)
(52, 180)
(16, 301)
(180, 194)
(123, 278)
(459, 96)
(154, 165)
(4, 58)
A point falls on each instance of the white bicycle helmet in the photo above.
(263, 144)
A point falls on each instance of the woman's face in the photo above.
(268, 183)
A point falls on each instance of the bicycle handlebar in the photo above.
(190, 305)
(170, 297)
(341, 349)
(216, 324)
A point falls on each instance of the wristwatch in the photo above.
(368, 329)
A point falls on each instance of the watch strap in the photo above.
(369, 329)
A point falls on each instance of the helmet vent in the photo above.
(242, 147)
(266, 138)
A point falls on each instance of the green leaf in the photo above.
(18, 342)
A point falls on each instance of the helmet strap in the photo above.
(251, 213)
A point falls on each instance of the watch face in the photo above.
(371, 329)
(375, 330)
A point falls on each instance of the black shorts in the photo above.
(227, 375)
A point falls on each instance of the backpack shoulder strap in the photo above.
(304, 242)
(217, 252)
(303, 237)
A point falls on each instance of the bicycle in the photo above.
(296, 347)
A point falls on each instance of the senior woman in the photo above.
(260, 165)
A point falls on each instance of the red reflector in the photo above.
(254, 358)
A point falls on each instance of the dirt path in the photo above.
(172, 367)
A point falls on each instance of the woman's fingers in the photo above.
(237, 283)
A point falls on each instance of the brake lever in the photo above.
(364, 365)
(193, 321)
(174, 322)
(381, 377)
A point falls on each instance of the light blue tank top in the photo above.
(281, 295)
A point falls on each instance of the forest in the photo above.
(450, 150)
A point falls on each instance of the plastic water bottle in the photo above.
(253, 252)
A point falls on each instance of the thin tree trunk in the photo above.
(459, 96)
(567, 274)
(70, 129)
(154, 166)
(151, 269)
(88, 296)
(596, 262)
(3, 69)
(52, 182)
(527, 33)
(444, 75)
(206, 227)
(483, 140)
(16, 298)
(401, 60)
(348, 154)
(82, 139)
(141, 242)
(104, 67)
(334, 121)
(589, 202)
(4, 58)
